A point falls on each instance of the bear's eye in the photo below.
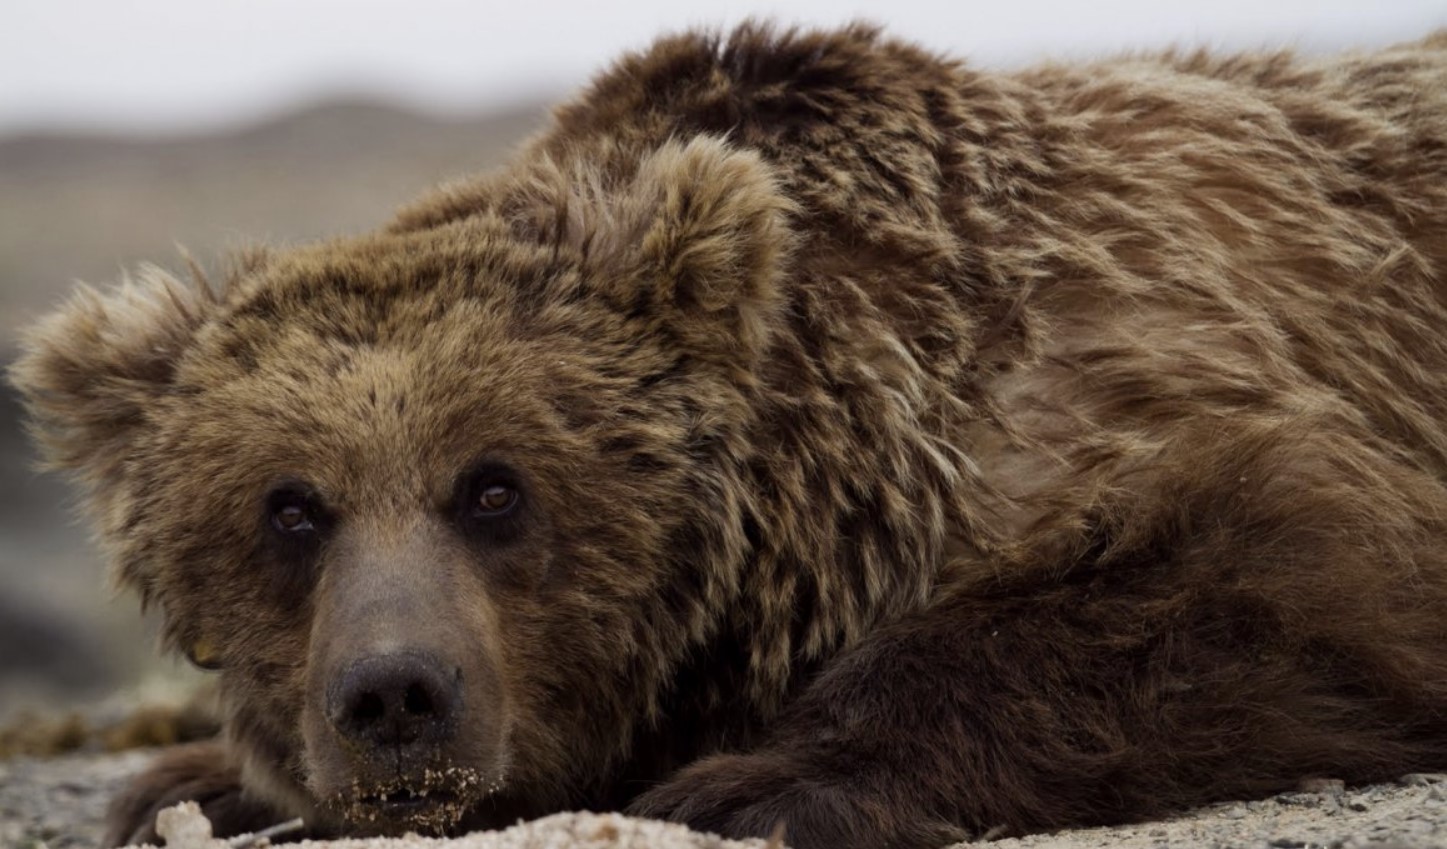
(496, 499)
(292, 517)
(292, 512)
(489, 501)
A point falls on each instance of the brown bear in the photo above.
(808, 431)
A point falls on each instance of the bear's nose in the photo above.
(395, 700)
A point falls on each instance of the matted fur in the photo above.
(909, 450)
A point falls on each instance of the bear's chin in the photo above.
(433, 801)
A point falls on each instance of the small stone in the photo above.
(1235, 812)
(1358, 805)
(1333, 786)
(184, 827)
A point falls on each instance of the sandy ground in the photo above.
(59, 803)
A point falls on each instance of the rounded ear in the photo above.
(88, 372)
(697, 239)
(694, 236)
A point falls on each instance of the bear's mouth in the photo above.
(432, 802)
(423, 810)
(406, 799)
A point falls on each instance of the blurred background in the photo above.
(127, 129)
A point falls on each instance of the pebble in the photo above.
(1301, 800)
(1322, 785)
(184, 825)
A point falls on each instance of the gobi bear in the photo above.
(805, 429)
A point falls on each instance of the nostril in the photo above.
(417, 701)
(369, 708)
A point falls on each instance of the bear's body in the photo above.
(807, 430)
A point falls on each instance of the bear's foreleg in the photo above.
(1105, 697)
(196, 772)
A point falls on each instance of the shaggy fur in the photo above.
(904, 451)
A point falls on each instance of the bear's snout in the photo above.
(405, 710)
(399, 699)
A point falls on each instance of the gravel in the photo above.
(60, 802)
(1411, 813)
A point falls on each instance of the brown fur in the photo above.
(906, 450)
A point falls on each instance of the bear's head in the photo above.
(446, 504)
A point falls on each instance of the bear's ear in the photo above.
(697, 239)
(88, 372)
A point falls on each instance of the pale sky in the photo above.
(179, 65)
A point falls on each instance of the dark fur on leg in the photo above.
(927, 735)
(1173, 662)
(199, 772)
